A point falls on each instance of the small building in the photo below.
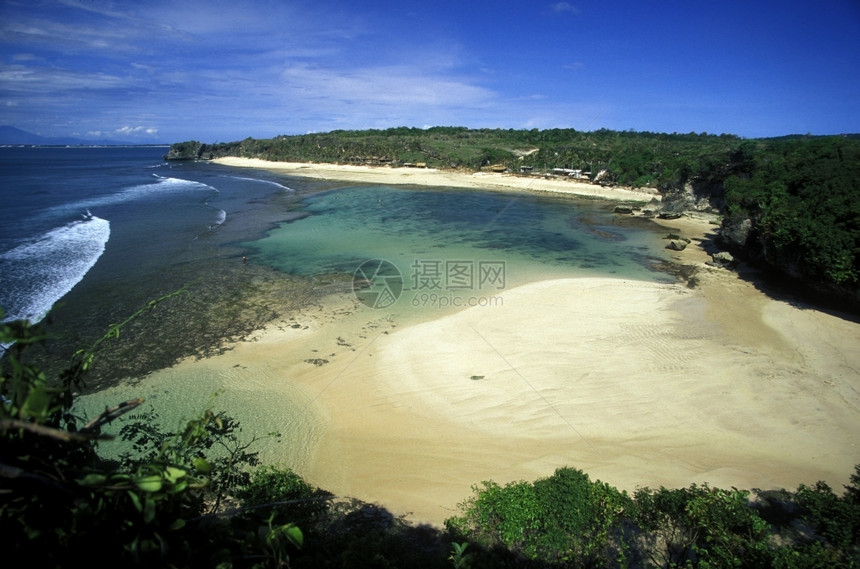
(574, 173)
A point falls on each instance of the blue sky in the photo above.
(168, 71)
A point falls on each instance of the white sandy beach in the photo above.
(637, 384)
(443, 178)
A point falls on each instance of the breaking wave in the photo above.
(40, 272)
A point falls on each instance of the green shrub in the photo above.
(836, 520)
(285, 493)
(565, 518)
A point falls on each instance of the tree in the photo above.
(564, 518)
(836, 521)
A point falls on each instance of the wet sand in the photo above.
(636, 383)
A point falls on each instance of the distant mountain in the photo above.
(12, 135)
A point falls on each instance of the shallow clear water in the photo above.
(243, 394)
(457, 243)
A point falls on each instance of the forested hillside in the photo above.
(789, 203)
(793, 203)
(627, 158)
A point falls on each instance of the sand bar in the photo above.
(636, 383)
(444, 178)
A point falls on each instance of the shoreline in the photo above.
(443, 178)
(636, 383)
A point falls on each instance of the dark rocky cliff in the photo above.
(194, 150)
(190, 150)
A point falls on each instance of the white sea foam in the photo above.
(143, 191)
(222, 217)
(40, 272)
(163, 185)
(268, 182)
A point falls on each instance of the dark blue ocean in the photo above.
(85, 217)
(90, 235)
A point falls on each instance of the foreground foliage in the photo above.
(560, 519)
(568, 520)
(60, 501)
(198, 497)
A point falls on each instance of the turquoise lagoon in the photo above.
(449, 244)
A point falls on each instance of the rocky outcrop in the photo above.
(692, 195)
(723, 259)
(193, 150)
(602, 177)
(677, 244)
(190, 150)
(735, 232)
(741, 240)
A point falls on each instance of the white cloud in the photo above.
(142, 67)
(564, 7)
(399, 86)
(135, 130)
(46, 80)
